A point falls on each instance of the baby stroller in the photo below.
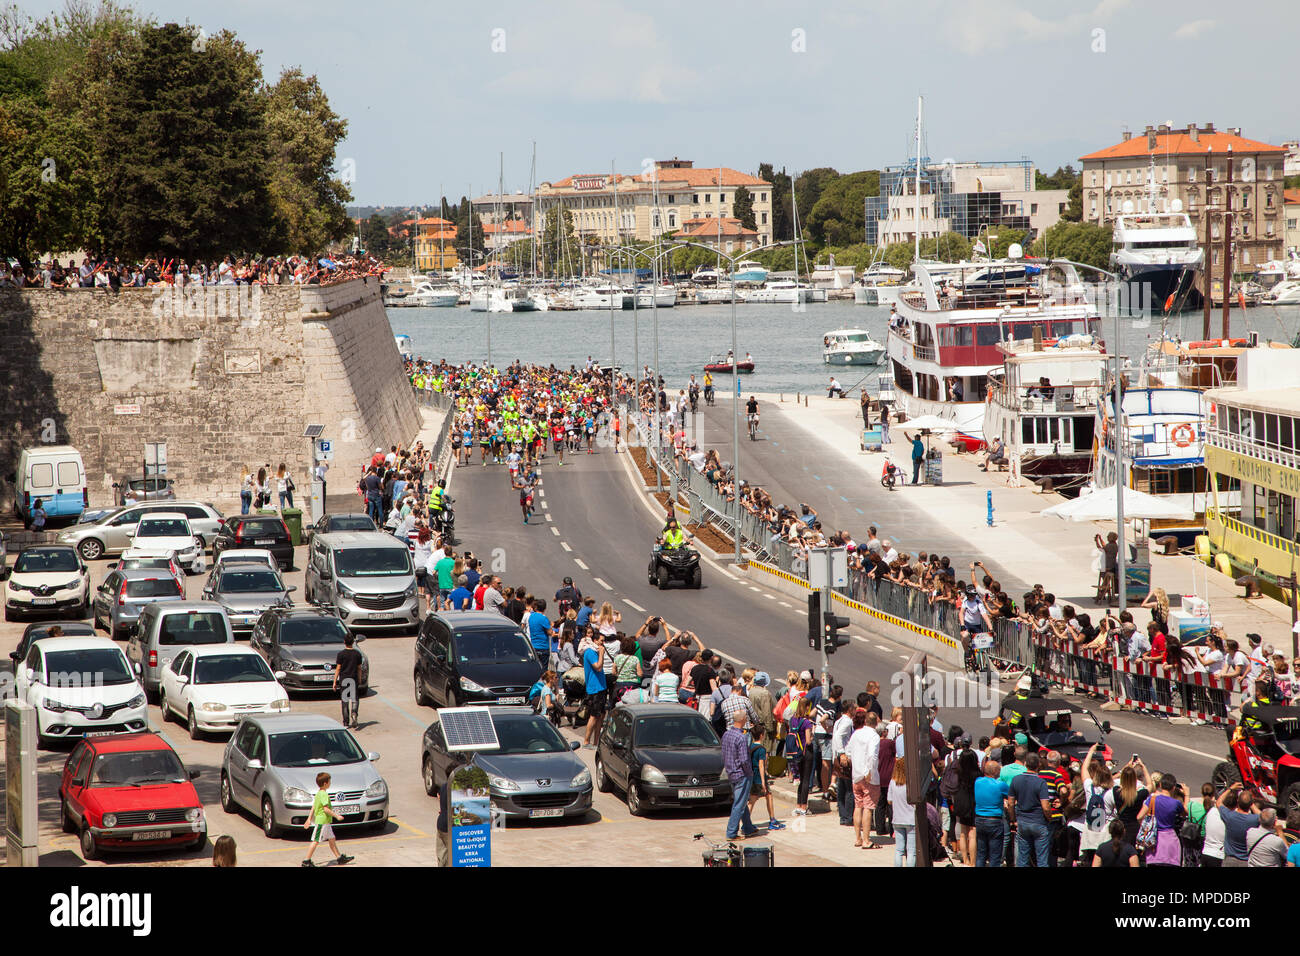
(573, 695)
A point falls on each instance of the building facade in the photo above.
(500, 207)
(610, 209)
(1253, 444)
(1291, 222)
(724, 234)
(434, 245)
(1206, 172)
(972, 199)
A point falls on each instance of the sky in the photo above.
(435, 92)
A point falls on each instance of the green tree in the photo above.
(999, 246)
(839, 215)
(304, 133)
(1291, 182)
(1064, 177)
(1084, 242)
(858, 255)
(898, 255)
(808, 187)
(782, 227)
(558, 248)
(376, 239)
(182, 151)
(743, 208)
(949, 247)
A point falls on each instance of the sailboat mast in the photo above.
(916, 232)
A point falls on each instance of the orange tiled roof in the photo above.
(1179, 144)
(432, 221)
(709, 229)
(1290, 196)
(517, 226)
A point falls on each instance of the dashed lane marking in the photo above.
(830, 487)
(602, 583)
(548, 517)
(785, 604)
(578, 562)
(859, 511)
(545, 506)
(770, 597)
(634, 605)
(753, 587)
(555, 531)
(564, 544)
(842, 498)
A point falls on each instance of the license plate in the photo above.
(382, 616)
(143, 835)
(348, 809)
(510, 700)
(323, 677)
(694, 794)
(264, 541)
(556, 812)
(42, 600)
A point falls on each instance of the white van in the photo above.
(53, 475)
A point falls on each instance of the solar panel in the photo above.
(468, 728)
(313, 431)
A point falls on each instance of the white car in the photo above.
(212, 688)
(138, 559)
(47, 579)
(160, 532)
(80, 685)
(260, 555)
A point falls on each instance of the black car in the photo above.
(1051, 723)
(674, 564)
(661, 755)
(267, 532)
(473, 657)
(304, 642)
(341, 522)
(34, 632)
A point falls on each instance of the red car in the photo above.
(130, 791)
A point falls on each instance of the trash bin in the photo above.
(293, 521)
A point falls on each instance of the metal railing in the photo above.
(444, 402)
(1253, 447)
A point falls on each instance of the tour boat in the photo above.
(722, 366)
(946, 340)
(851, 347)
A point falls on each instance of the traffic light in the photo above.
(831, 637)
(815, 620)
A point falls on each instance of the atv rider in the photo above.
(436, 503)
(673, 537)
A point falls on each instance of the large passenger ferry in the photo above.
(947, 336)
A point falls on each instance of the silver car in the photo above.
(118, 602)
(110, 532)
(246, 589)
(270, 767)
(164, 630)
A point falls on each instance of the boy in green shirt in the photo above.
(318, 821)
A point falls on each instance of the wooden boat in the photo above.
(724, 367)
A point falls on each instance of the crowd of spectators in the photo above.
(111, 272)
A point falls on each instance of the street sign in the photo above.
(324, 449)
(155, 459)
(836, 575)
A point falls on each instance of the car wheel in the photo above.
(1225, 774)
(269, 826)
(430, 781)
(650, 573)
(192, 724)
(421, 698)
(199, 842)
(602, 779)
(663, 577)
(89, 848)
(634, 805)
(65, 819)
(449, 695)
(91, 549)
(697, 576)
(162, 705)
(227, 796)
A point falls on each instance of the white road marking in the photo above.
(602, 584)
(1164, 743)
(548, 517)
(770, 597)
(884, 647)
(753, 587)
(545, 506)
(634, 605)
(555, 531)
(786, 604)
(564, 544)
(904, 656)
(862, 639)
(726, 574)
(578, 562)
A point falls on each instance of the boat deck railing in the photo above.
(1256, 448)
(1065, 398)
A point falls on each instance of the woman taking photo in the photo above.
(1168, 806)
(799, 750)
(1098, 806)
(1130, 797)
(284, 486)
(627, 667)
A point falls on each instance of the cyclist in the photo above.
(708, 388)
(751, 408)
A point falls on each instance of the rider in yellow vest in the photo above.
(673, 536)
(435, 500)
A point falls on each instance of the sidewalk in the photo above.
(343, 476)
(1030, 547)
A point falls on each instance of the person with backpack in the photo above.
(760, 786)
(567, 597)
(542, 697)
(799, 748)
(1098, 807)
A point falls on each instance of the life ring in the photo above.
(1182, 435)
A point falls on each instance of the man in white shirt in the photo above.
(697, 458)
(890, 552)
(864, 750)
(840, 734)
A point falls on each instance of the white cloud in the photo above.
(981, 27)
(1193, 28)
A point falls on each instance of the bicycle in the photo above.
(753, 428)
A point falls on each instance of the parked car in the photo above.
(661, 755)
(55, 476)
(326, 524)
(124, 594)
(303, 643)
(53, 679)
(213, 688)
(47, 579)
(533, 773)
(245, 591)
(169, 532)
(473, 657)
(367, 578)
(135, 559)
(34, 632)
(256, 555)
(130, 791)
(267, 532)
(109, 533)
(166, 629)
(270, 767)
(135, 490)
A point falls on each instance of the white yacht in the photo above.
(1286, 292)
(602, 297)
(1160, 251)
(432, 296)
(851, 347)
(782, 290)
(705, 275)
(489, 299)
(664, 297)
(874, 278)
(754, 273)
(714, 296)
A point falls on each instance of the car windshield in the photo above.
(352, 523)
(533, 735)
(92, 665)
(313, 630)
(261, 528)
(45, 562)
(371, 562)
(137, 769)
(249, 582)
(231, 669)
(163, 528)
(152, 587)
(145, 564)
(675, 732)
(314, 748)
(192, 627)
(492, 647)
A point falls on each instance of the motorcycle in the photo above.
(890, 475)
(445, 523)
